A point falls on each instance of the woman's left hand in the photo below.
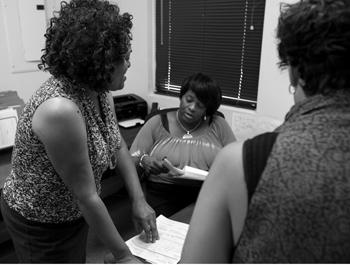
(144, 218)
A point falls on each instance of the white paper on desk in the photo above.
(246, 126)
(8, 124)
(193, 173)
(166, 250)
(130, 123)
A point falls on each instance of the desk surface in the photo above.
(184, 215)
(129, 134)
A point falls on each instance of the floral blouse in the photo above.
(34, 189)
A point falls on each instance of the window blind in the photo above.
(220, 38)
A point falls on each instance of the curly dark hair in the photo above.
(84, 40)
(314, 37)
(206, 89)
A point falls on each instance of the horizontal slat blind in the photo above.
(212, 37)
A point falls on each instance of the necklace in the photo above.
(187, 135)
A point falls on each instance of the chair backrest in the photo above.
(161, 111)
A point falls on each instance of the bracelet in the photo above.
(140, 160)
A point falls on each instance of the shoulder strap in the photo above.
(256, 151)
(165, 122)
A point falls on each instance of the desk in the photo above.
(129, 134)
(183, 216)
(5, 164)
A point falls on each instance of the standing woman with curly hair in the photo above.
(66, 138)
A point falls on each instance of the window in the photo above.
(221, 38)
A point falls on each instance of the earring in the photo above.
(291, 89)
(205, 117)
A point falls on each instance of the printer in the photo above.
(130, 106)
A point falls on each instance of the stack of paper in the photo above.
(166, 250)
(8, 126)
(10, 99)
(193, 173)
(186, 173)
(131, 123)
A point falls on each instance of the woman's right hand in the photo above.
(153, 165)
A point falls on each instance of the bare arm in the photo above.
(151, 165)
(144, 216)
(59, 125)
(220, 211)
(141, 145)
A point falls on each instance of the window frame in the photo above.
(245, 81)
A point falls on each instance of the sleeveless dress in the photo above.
(33, 188)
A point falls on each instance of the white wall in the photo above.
(23, 83)
(273, 98)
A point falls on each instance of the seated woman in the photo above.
(283, 197)
(191, 136)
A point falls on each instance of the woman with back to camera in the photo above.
(190, 136)
(66, 138)
(283, 197)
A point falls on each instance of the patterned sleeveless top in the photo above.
(300, 210)
(33, 188)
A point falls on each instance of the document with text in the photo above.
(246, 126)
(193, 173)
(166, 250)
(8, 125)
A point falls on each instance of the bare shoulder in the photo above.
(229, 162)
(227, 169)
(57, 114)
(57, 108)
(230, 157)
